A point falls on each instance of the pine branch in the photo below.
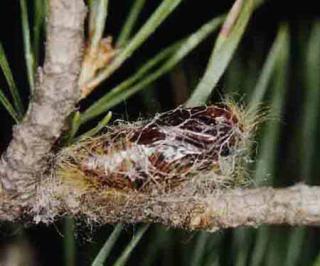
(297, 205)
(54, 98)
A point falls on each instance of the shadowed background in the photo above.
(289, 160)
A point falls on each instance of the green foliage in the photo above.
(18, 111)
(269, 67)
(312, 100)
(275, 64)
(39, 14)
(123, 258)
(97, 20)
(130, 22)
(102, 124)
(160, 14)
(143, 77)
(29, 54)
(124, 89)
(8, 106)
(105, 250)
(223, 51)
(69, 242)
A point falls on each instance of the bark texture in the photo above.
(297, 205)
(55, 96)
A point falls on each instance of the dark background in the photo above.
(47, 242)
(187, 18)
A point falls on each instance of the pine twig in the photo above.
(54, 98)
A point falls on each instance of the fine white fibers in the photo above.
(112, 161)
(166, 151)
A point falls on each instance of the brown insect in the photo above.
(164, 152)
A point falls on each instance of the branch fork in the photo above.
(57, 92)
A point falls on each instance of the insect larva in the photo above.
(165, 151)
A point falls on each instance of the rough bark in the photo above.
(297, 205)
(54, 98)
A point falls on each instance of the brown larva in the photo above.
(164, 152)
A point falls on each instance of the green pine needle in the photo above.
(268, 69)
(128, 26)
(97, 21)
(157, 18)
(102, 124)
(39, 14)
(4, 65)
(127, 88)
(222, 53)
(8, 106)
(106, 249)
(29, 56)
(123, 258)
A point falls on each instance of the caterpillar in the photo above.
(162, 152)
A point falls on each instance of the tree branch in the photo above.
(54, 98)
(297, 205)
